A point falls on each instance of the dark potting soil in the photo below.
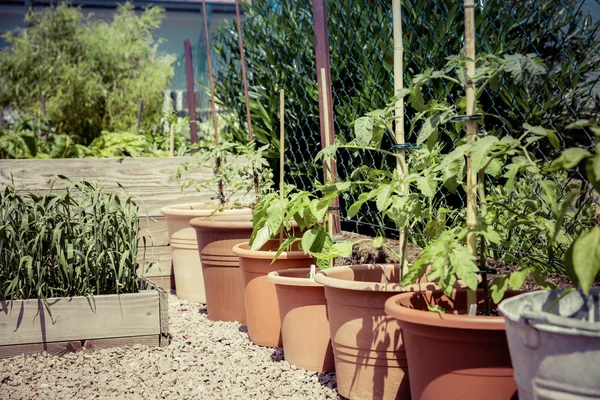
(365, 253)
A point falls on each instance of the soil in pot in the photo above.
(554, 343)
(304, 320)
(262, 308)
(367, 345)
(216, 235)
(189, 280)
(453, 355)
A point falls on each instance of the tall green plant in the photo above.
(81, 241)
(93, 73)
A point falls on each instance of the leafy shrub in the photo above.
(94, 73)
(79, 242)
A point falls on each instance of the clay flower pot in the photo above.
(367, 345)
(304, 321)
(453, 355)
(189, 282)
(216, 235)
(262, 308)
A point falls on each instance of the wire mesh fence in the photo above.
(279, 43)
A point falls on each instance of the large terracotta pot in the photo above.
(216, 235)
(453, 356)
(189, 281)
(367, 345)
(262, 308)
(304, 321)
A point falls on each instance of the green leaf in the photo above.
(378, 242)
(426, 185)
(287, 243)
(436, 309)
(313, 240)
(383, 196)
(569, 158)
(499, 287)
(261, 238)
(363, 130)
(464, 265)
(480, 151)
(583, 258)
(517, 278)
(429, 127)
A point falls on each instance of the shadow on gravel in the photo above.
(328, 380)
(243, 328)
(203, 310)
(277, 355)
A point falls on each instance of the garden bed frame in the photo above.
(77, 323)
(149, 180)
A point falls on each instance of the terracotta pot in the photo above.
(367, 345)
(453, 355)
(262, 308)
(216, 235)
(304, 321)
(189, 281)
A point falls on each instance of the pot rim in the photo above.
(243, 250)
(275, 278)
(446, 320)
(180, 209)
(324, 277)
(217, 223)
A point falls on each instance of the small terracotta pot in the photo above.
(216, 235)
(304, 321)
(262, 308)
(453, 355)
(367, 345)
(189, 281)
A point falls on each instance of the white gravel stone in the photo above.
(205, 360)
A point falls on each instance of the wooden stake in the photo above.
(281, 150)
(172, 141)
(469, 6)
(212, 97)
(399, 117)
(330, 162)
(191, 97)
(243, 62)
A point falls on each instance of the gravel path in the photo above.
(205, 360)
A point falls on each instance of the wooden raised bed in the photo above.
(73, 323)
(148, 180)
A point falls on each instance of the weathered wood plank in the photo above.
(98, 344)
(54, 348)
(130, 172)
(155, 231)
(79, 318)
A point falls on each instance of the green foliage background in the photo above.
(94, 73)
(279, 44)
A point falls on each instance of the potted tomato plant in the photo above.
(455, 345)
(554, 335)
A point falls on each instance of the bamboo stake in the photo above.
(212, 97)
(245, 81)
(243, 62)
(399, 116)
(469, 7)
(327, 141)
(172, 141)
(281, 150)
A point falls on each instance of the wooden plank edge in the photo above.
(163, 305)
(52, 348)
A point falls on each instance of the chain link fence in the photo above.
(279, 43)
